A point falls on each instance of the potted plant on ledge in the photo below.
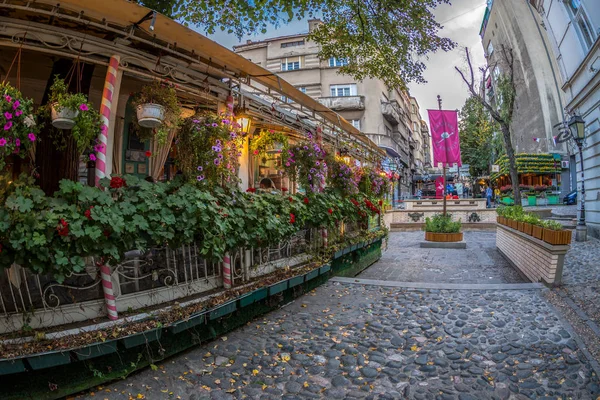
(157, 111)
(441, 228)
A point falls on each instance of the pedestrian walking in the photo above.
(488, 195)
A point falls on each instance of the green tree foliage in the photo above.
(476, 136)
(381, 39)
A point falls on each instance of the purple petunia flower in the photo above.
(233, 135)
(200, 168)
(215, 148)
(8, 125)
(200, 178)
(2, 142)
(195, 121)
(218, 142)
(217, 161)
(8, 115)
(214, 125)
(83, 107)
(220, 156)
(31, 137)
(225, 121)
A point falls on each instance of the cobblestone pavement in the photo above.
(357, 341)
(405, 261)
(558, 210)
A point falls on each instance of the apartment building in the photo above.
(574, 30)
(538, 118)
(384, 115)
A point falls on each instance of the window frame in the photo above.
(355, 123)
(337, 62)
(334, 90)
(581, 23)
(293, 44)
(285, 63)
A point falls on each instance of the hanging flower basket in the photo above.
(63, 117)
(150, 115)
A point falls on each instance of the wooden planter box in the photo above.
(556, 237)
(520, 226)
(443, 237)
(527, 228)
(513, 224)
(537, 232)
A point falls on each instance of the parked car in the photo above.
(571, 198)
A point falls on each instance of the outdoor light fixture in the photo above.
(577, 127)
(245, 123)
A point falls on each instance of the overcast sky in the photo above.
(461, 22)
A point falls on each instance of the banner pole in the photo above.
(439, 98)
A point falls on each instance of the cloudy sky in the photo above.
(461, 22)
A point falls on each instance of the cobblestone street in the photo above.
(352, 340)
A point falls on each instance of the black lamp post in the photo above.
(577, 126)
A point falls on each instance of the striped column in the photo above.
(227, 271)
(107, 288)
(105, 110)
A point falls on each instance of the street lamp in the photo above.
(577, 127)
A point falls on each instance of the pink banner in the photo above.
(444, 137)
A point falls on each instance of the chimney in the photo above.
(313, 24)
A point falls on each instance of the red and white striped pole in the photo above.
(105, 110)
(227, 271)
(107, 288)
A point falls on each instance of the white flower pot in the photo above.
(150, 115)
(63, 118)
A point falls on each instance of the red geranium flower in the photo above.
(148, 153)
(255, 152)
(63, 228)
(306, 200)
(284, 189)
(251, 190)
(106, 233)
(88, 213)
(380, 202)
(330, 211)
(117, 182)
(292, 218)
(290, 199)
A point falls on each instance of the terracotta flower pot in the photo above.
(537, 232)
(443, 237)
(556, 237)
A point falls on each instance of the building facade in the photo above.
(382, 114)
(538, 122)
(574, 30)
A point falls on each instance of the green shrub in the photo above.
(442, 224)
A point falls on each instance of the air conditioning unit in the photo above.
(564, 164)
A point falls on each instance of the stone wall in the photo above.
(534, 258)
(465, 215)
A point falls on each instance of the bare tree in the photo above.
(505, 87)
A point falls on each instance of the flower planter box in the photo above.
(187, 324)
(519, 226)
(338, 254)
(325, 269)
(557, 237)
(513, 224)
(253, 297)
(532, 200)
(223, 309)
(49, 360)
(552, 199)
(142, 338)
(63, 118)
(537, 231)
(295, 281)
(353, 247)
(527, 228)
(443, 237)
(11, 366)
(346, 251)
(150, 115)
(96, 350)
(311, 275)
(278, 287)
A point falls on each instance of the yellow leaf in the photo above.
(414, 347)
(279, 345)
(141, 396)
(305, 384)
(165, 391)
(285, 357)
(254, 372)
(264, 387)
(230, 390)
(217, 381)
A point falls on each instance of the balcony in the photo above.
(389, 144)
(391, 112)
(344, 103)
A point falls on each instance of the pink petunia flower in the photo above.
(31, 137)
(16, 104)
(18, 113)
(92, 157)
(8, 115)
(17, 142)
(8, 125)
(8, 98)
(2, 142)
(83, 107)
